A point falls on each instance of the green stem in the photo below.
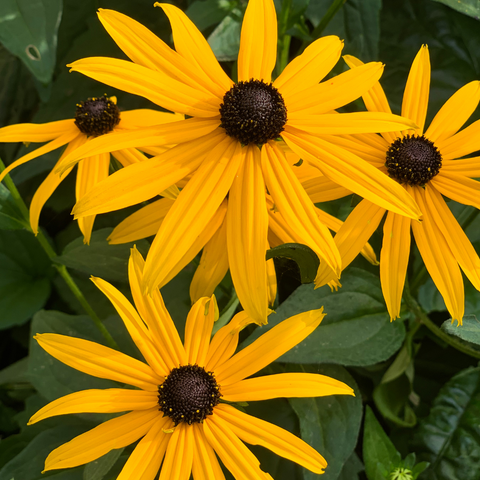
(62, 269)
(422, 317)
(283, 38)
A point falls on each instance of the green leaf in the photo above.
(449, 438)
(97, 469)
(11, 446)
(352, 468)
(99, 258)
(469, 331)
(205, 13)
(306, 259)
(28, 28)
(25, 273)
(330, 424)
(356, 330)
(377, 447)
(225, 39)
(10, 216)
(467, 7)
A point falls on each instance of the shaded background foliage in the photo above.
(422, 396)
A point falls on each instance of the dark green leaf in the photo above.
(449, 438)
(29, 30)
(469, 331)
(330, 424)
(25, 273)
(468, 7)
(99, 258)
(306, 259)
(97, 469)
(352, 468)
(205, 13)
(356, 331)
(225, 39)
(10, 447)
(10, 216)
(15, 372)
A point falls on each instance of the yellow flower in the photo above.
(178, 405)
(94, 117)
(428, 164)
(218, 148)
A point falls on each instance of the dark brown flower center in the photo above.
(97, 116)
(253, 112)
(188, 394)
(413, 159)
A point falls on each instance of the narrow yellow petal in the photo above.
(322, 189)
(462, 143)
(268, 347)
(37, 133)
(415, 97)
(461, 189)
(116, 433)
(146, 117)
(258, 41)
(128, 156)
(179, 456)
(468, 167)
(394, 261)
(205, 463)
(111, 400)
(99, 361)
(271, 282)
(283, 443)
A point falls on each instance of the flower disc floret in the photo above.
(253, 112)
(188, 394)
(413, 159)
(97, 116)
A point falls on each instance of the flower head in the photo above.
(178, 407)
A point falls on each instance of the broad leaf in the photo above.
(468, 7)
(97, 469)
(10, 216)
(352, 468)
(225, 39)
(468, 332)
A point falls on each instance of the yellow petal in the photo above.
(99, 361)
(144, 180)
(146, 117)
(310, 67)
(353, 173)
(205, 463)
(128, 156)
(461, 189)
(238, 459)
(198, 329)
(255, 431)
(37, 133)
(116, 433)
(468, 167)
(293, 203)
(258, 41)
(394, 261)
(439, 259)
(179, 456)
(271, 282)
(193, 47)
(322, 189)
(462, 143)
(415, 97)
(268, 347)
(111, 400)
(153, 85)
(247, 226)
(334, 92)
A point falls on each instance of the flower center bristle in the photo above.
(413, 159)
(97, 116)
(253, 112)
(188, 394)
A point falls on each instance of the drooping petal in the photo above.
(213, 265)
(247, 226)
(198, 330)
(461, 189)
(258, 41)
(37, 133)
(205, 463)
(255, 431)
(112, 400)
(268, 347)
(146, 117)
(462, 143)
(116, 433)
(322, 189)
(334, 92)
(171, 133)
(454, 113)
(194, 208)
(458, 242)
(468, 167)
(394, 260)
(417, 90)
(232, 452)
(145, 460)
(353, 173)
(192, 46)
(145, 180)
(179, 456)
(310, 67)
(129, 156)
(284, 385)
(293, 203)
(99, 361)
(439, 259)
(271, 282)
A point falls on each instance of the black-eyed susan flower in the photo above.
(429, 164)
(95, 117)
(229, 145)
(177, 408)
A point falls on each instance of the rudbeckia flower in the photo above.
(182, 408)
(94, 118)
(229, 145)
(429, 164)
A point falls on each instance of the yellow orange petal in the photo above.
(322, 189)
(462, 143)
(468, 167)
(205, 463)
(461, 189)
(146, 117)
(179, 456)
(37, 133)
